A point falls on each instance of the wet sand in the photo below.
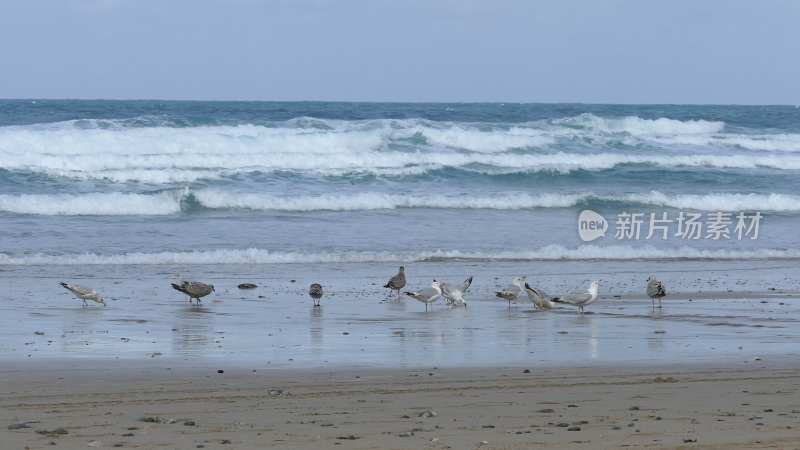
(715, 368)
(715, 311)
(94, 404)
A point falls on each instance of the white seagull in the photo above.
(581, 299)
(655, 290)
(454, 296)
(539, 298)
(428, 295)
(512, 292)
(84, 293)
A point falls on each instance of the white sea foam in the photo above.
(262, 256)
(162, 154)
(638, 126)
(487, 141)
(192, 166)
(719, 202)
(367, 201)
(106, 204)
(166, 203)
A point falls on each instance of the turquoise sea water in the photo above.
(151, 182)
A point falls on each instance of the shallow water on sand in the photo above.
(360, 323)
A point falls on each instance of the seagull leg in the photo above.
(659, 302)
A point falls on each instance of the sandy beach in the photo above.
(94, 404)
(715, 368)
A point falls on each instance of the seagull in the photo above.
(427, 296)
(455, 296)
(194, 289)
(84, 293)
(581, 299)
(655, 290)
(398, 281)
(315, 291)
(539, 298)
(512, 292)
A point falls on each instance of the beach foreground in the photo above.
(101, 405)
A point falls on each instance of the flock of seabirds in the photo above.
(452, 295)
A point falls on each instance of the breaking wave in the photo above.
(122, 151)
(262, 256)
(175, 202)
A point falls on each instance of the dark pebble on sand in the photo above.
(526, 371)
(55, 432)
(574, 429)
(547, 411)
(190, 423)
(220, 371)
(247, 286)
(688, 441)
(18, 426)
(39, 333)
(562, 425)
(633, 408)
(349, 437)
(225, 442)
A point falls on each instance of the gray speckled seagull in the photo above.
(539, 298)
(398, 281)
(194, 289)
(655, 290)
(315, 292)
(512, 292)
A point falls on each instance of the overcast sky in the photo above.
(600, 51)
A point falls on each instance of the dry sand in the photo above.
(745, 405)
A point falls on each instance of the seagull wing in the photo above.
(467, 284)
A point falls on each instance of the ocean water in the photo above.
(150, 182)
(127, 196)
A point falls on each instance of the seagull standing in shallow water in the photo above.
(428, 295)
(655, 290)
(512, 292)
(581, 299)
(194, 289)
(315, 292)
(539, 298)
(398, 281)
(454, 296)
(84, 293)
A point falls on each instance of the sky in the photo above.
(591, 51)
